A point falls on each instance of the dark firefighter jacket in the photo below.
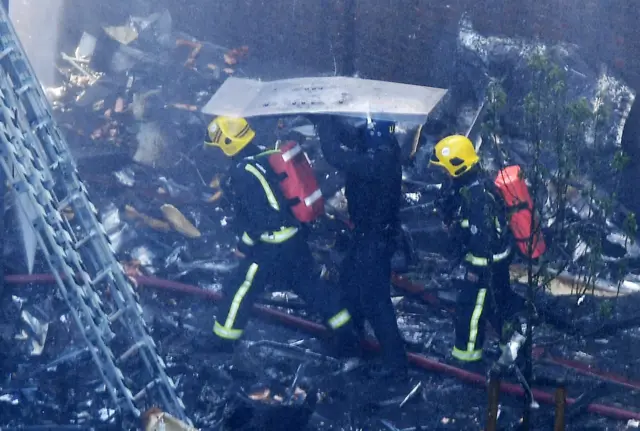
(373, 180)
(262, 212)
(477, 218)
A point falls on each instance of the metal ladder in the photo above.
(42, 173)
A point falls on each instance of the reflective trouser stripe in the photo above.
(466, 356)
(227, 331)
(475, 319)
(340, 319)
(229, 334)
(472, 353)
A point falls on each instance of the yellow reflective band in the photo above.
(464, 223)
(279, 236)
(340, 319)
(247, 239)
(498, 228)
(475, 319)
(239, 296)
(463, 355)
(265, 185)
(483, 261)
(228, 334)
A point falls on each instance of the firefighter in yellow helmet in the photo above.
(272, 243)
(476, 219)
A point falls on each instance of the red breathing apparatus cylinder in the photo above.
(523, 221)
(299, 183)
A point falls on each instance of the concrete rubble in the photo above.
(130, 109)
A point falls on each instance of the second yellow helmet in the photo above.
(230, 134)
(454, 153)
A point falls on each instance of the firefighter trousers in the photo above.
(365, 277)
(489, 298)
(288, 266)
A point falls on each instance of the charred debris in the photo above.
(130, 108)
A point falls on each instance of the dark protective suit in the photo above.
(275, 247)
(373, 192)
(477, 219)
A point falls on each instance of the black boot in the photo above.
(344, 344)
(203, 343)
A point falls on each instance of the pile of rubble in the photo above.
(137, 89)
(130, 108)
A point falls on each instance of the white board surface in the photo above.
(239, 97)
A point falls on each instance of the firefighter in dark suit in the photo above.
(476, 218)
(370, 159)
(272, 243)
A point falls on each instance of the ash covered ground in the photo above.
(137, 136)
(61, 385)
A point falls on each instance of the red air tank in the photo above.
(522, 218)
(299, 183)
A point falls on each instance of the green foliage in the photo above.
(496, 102)
(566, 138)
(630, 227)
(580, 111)
(606, 309)
(620, 161)
(497, 96)
(603, 114)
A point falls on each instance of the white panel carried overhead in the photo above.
(324, 95)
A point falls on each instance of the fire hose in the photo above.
(316, 329)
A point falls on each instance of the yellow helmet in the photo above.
(229, 134)
(456, 154)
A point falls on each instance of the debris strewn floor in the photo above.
(166, 216)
